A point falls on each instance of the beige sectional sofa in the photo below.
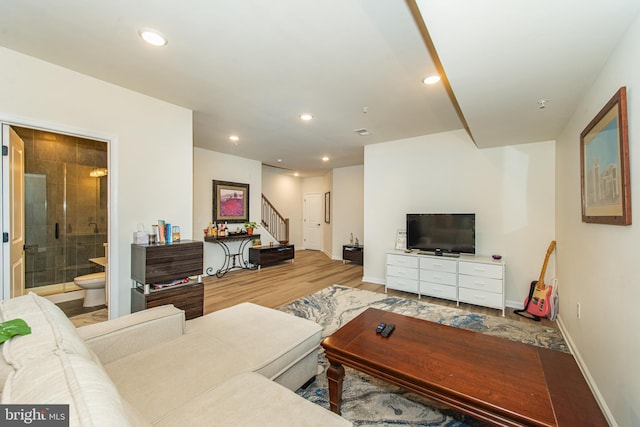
(236, 366)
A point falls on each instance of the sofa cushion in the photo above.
(50, 330)
(62, 378)
(249, 399)
(272, 340)
(218, 346)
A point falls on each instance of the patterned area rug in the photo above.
(371, 402)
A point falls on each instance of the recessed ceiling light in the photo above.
(362, 132)
(296, 174)
(153, 37)
(234, 138)
(325, 159)
(432, 79)
(306, 117)
(279, 160)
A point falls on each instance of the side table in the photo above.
(352, 253)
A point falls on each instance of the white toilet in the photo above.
(93, 284)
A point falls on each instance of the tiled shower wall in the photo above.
(59, 190)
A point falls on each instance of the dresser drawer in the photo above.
(402, 284)
(438, 290)
(480, 283)
(437, 264)
(438, 277)
(402, 260)
(480, 269)
(404, 272)
(486, 299)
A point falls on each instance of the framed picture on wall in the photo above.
(327, 207)
(230, 202)
(604, 165)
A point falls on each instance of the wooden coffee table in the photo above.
(492, 379)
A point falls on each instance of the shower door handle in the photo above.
(57, 231)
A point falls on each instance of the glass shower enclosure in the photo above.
(65, 209)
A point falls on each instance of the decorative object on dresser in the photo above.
(264, 255)
(469, 279)
(353, 253)
(160, 274)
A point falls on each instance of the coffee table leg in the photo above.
(335, 377)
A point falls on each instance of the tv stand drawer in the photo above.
(493, 271)
(439, 264)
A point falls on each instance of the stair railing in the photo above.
(274, 222)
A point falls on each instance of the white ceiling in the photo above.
(251, 67)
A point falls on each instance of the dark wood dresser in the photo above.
(153, 266)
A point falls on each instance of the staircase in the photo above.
(274, 222)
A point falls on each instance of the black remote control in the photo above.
(380, 327)
(387, 330)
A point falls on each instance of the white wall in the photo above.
(510, 189)
(597, 263)
(347, 198)
(285, 193)
(207, 166)
(150, 148)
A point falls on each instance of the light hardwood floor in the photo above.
(279, 284)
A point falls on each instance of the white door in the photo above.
(13, 175)
(313, 221)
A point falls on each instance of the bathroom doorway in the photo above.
(65, 209)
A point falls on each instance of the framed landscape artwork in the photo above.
(604, 165)
(230, 202)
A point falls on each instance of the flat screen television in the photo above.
(442, 233)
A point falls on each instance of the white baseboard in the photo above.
(587, 375)
(514, 304)
(375, 280)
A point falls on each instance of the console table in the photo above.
(232, 259)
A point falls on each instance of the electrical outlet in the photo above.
(578, 311)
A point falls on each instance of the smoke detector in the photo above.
(362, 132)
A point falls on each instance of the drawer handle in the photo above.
(479, 297)
(435, 276)
(479, 269)
(479, 283)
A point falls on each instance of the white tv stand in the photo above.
(470, 279)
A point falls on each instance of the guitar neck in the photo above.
(552, 246)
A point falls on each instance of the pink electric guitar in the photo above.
(537, 303)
